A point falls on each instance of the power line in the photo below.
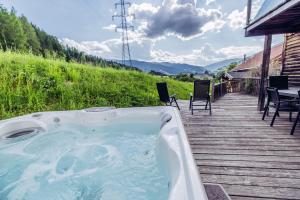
(122, 14)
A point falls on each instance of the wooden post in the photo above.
(213, 91)
(249, 8)
(264, 71)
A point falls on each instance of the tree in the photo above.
(11, 32)
(32, 41)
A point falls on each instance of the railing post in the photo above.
(213, 91)
(220, 90)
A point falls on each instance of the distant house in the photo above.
(251, 67)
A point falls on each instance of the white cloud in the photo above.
(205, 55)
(89, 47)
(142, 11)
(237, 19)
(177, 17)
(208, 2)
(239, 51)
(144, 49)
(111, 27)
(111, 49)
(213, 26)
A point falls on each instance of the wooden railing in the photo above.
(219, 90)
(247, 86)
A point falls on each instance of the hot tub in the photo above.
(99, 153)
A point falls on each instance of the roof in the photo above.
(255, 61)
(237, 75)
(276, 17)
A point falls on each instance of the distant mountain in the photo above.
(167, 68)
(215, 66)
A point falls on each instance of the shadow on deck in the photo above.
(238, 150)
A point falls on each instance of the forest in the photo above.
(18, 34)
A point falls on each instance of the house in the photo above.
(277, 17)
(291, 58)
(252, 66)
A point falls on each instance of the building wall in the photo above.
(291, 58)
(253, 64)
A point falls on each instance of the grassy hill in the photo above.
(30, 83)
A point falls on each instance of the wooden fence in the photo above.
(219, 90)
(247, 86)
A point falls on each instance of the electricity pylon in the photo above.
(122, 14)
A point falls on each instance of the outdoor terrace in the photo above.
(238, 150)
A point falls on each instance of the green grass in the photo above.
(32, 84)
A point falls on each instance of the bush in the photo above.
(249, 86)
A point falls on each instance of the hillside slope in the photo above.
(166, 68)
(32, 84)
(218, 65)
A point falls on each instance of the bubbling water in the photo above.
(114, 161)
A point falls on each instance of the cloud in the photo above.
(177, 17)
(89, 47)
(142, 11)
(208, 2)
(110, 27)
(111, 49)
(205, 55)
(239, 51)
(145, 50)
(237, 19)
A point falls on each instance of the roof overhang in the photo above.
(285, 18)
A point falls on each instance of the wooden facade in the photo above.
(291, 58)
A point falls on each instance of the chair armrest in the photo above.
(173, 96)
(289, 101)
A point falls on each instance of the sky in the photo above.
(196, 32)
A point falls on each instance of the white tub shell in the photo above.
(173, 147)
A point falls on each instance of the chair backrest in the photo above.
(163, 92)
(273, 95)
(279, 82)
(201, 89)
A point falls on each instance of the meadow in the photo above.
(30, 83)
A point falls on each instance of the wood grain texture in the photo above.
(238, 150)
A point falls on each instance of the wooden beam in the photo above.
(273, 31)
(277, 11)
(264, 71)
(249, 8)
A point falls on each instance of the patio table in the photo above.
(292, 92)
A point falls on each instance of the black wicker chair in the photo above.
(298, 115)
(280, 105)
(201, 94)
(279, 82)
(164, 96)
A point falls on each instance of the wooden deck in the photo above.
(238, 150)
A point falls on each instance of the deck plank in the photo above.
(238, 150)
